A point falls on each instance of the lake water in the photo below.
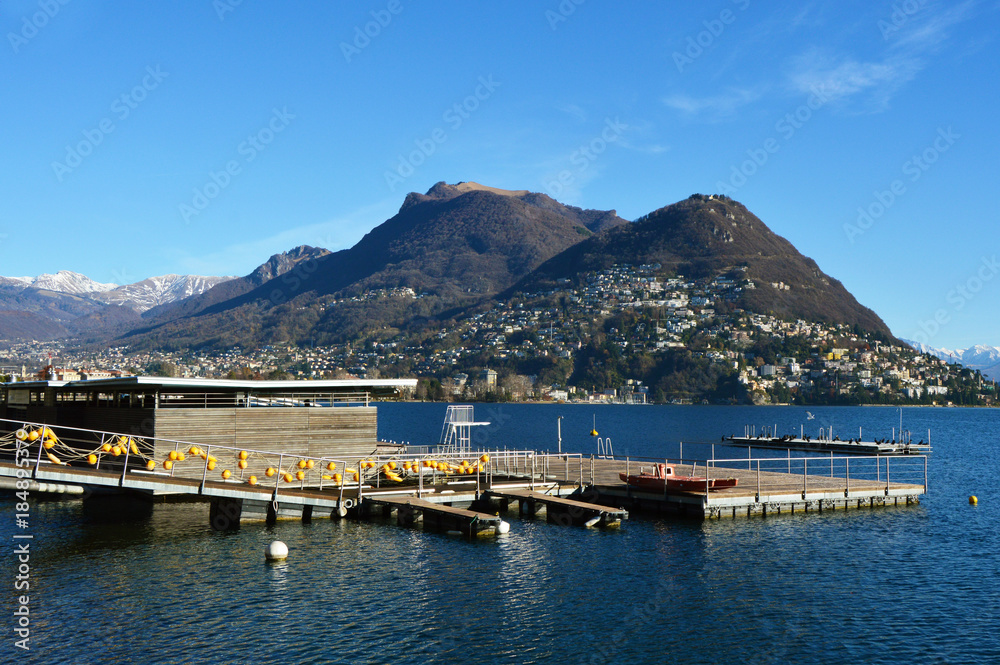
(914, 584)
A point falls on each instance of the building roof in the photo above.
(382, 386)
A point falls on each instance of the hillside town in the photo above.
(606, 338)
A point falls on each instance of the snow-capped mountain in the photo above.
(161, 290)
(981, 356)
(63, 281)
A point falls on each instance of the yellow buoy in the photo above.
(122, 440)
(210, 465)
(53, 458)
(327, 476)
(91, 459)
(194, 450)
(180, 457)
(33, 435)
(252, 480)
(357, 477)
(212, 459)
(310, 464)
(392, 476)
(47, 433)
(302, 464)
(331, 466)
(116, 451)
(168, 464)
(244, 454)
(151, 464)
(242, 464)
(485, 458)
(21, 434)
(465, 462)
(973, 500)
(172, 455)
(226, 473)
(392, 465)
(49, 443)
(106, 447)
(288, 477)
(337, 478)
(270, 471)
(593, 432)
(134, 448)
(299, 475)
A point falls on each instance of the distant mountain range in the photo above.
(984, 358)
(446, 254)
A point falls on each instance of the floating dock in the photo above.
(558, 509)
(437, 516)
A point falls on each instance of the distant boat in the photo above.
(663, 477)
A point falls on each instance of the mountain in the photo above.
(452, 246)
(707, 235)
(277, 265)
(63, 281)
(161, 290)
(29, 325)
(982, 357)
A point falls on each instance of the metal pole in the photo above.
(789, 460)
(682, 452)
(847, 476)
(925, 474)
(887, 475)
(805, 477)
(758, 480)
(559, 431)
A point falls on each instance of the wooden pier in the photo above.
(557, 509)
(438, 516)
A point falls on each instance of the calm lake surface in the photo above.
(914, 584)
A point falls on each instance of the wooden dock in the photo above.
(438, 516)
(817, 484)
(558, 510)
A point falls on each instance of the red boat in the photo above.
(663, 476)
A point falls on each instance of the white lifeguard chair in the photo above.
(456, 433)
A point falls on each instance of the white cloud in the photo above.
(716, 107)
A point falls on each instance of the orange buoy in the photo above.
(299, 475)
(116, 451)
(106, 447)
(122, 440)
(302, 464)
(49, 443)
(288, 477)
(194, 450)
(173, 455)
(337, 478)
(91, 459)
(332, 466)
(485, 458)
(242, 464)
(134, 448)
(392, 465)
(226, 473)
(33, 435)
(357, 477)
(180, 457)
(252, 480)
(151, 464)
(310, 464)
(270, 471)
(168, 464)
(211, 465)
(244, 455)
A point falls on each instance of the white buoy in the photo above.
(592, 522)
(503, 527)
(276, 551)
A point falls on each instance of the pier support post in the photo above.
(224, 514)
(307, 514)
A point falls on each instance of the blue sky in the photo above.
(202, 136)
